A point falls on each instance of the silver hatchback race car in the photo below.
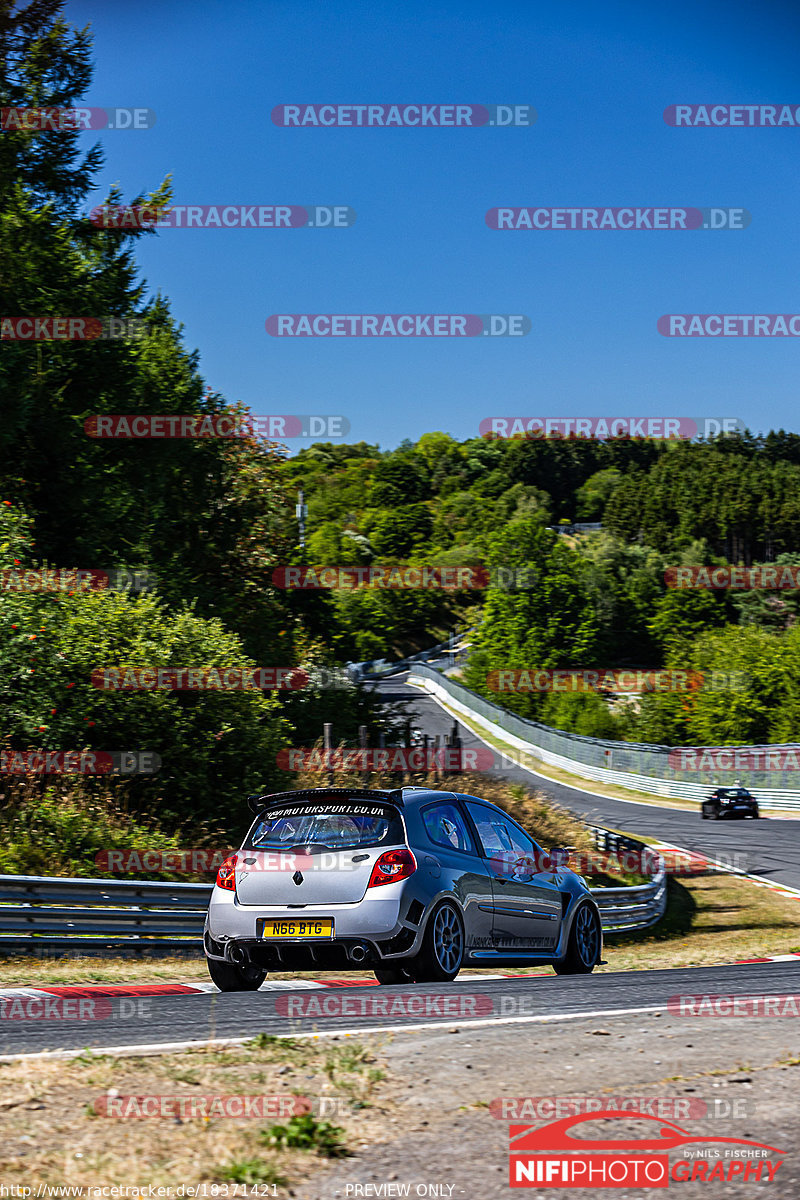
(412, 883)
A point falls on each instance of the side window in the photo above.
(520, 841)
(503, 843)
(493, 830)
(445, 826)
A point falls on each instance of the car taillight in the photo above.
(226, 875)
(392, 866)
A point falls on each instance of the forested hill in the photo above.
(598, 600)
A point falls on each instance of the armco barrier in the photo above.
(45, 915)
(627, 908)
(636, 765)
(378, 668)
(76, 916)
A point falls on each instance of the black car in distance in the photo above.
(729, 802)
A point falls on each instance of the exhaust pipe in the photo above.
(358, 954)
(239, 957)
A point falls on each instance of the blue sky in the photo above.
(599, 77)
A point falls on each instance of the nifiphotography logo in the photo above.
(552, 1155)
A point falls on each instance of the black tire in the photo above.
(393, 974)
(229, 978)
(718, 814)
(756, 815)
(442, 953)
(703, 815)
(583, 948)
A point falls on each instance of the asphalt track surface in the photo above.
(767, 848)
(773, 852)
(524, 1001)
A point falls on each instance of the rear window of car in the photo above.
(321, 827)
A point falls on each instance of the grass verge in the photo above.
(51, 1130)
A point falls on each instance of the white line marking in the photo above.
(222, 1043)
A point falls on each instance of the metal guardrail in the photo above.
(50, 916)
(639, 766)
(577, 527)
(629, 908)
(40, 914)
(377, 668)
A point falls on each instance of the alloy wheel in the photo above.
(448, 939)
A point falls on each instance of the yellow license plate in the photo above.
(299, 928)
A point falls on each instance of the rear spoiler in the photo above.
(258, 801)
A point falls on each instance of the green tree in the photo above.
(594, 495)
(551, 624)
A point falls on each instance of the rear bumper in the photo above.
(365, 933)
(346, 953)
(729, 810)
